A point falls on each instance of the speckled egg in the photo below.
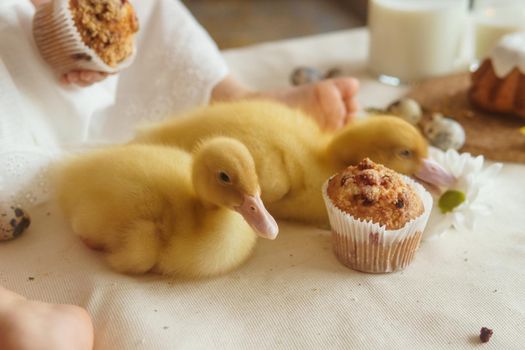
(407, 109)
(444, 133)
(13, 222)
(305, 75)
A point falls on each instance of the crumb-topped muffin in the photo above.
(106, 26)
(93, 35)
(370, 191)
(377, 217)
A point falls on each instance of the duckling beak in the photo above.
(253, 211)
(434, 174)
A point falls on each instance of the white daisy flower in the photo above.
(458, 205)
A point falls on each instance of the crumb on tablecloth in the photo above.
(485, 334)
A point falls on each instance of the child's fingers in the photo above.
(83, 83)
(86, 77)
(64, 80)
(91, 77)
(83, 78)
(101, 76)
(72, 77)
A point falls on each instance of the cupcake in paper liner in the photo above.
(86, 34)
(377, 217)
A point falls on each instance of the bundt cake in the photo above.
(498, 85)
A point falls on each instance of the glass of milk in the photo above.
(493, 19)
(411, 40)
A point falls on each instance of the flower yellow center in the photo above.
(450, 200)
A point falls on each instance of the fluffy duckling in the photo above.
(387, 140)
(292, 155)
(163, 209)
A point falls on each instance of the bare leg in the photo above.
(330, 102)
(29, 325)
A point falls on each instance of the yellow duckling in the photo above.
(293, 156)
(160, 208)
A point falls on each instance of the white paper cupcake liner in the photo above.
(369, 247)
(61, 45)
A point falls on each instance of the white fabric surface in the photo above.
(293, 294)
(176, 67)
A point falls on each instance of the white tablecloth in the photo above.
(293, 293)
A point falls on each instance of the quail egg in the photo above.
(444, 133)
(407, 109)
(305, 75)
(13, 222)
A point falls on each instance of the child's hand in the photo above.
(83, 77)
(78, 77)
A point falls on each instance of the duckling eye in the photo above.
(223, 177)
(405, 153)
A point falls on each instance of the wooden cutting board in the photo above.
(497, 137)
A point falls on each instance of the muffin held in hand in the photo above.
(377, 217)
(86, 34)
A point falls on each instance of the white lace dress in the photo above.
(175, 69)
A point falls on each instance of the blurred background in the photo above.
(234, 23)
